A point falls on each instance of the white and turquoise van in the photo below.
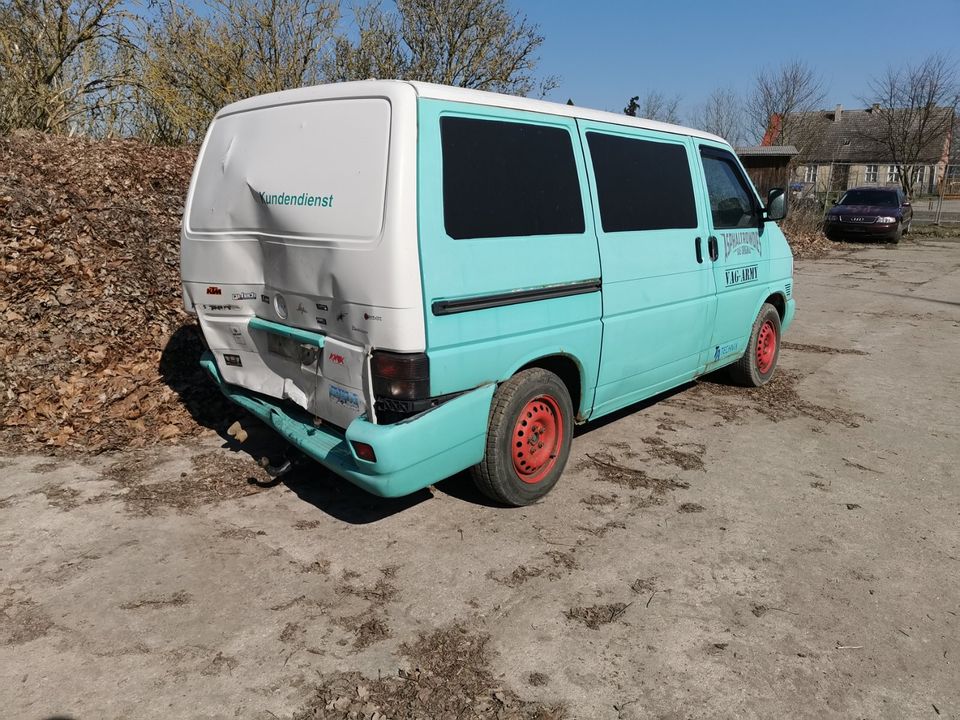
(407, 280)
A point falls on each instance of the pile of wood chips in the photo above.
(96, 351)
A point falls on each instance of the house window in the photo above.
(810, 174)
(893, 174)
(871, 175)
(919, 177)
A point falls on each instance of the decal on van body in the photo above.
(740, 275)
(300, 200)
(740, 243)
(344, 397)
(724, 350)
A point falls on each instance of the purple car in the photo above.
(870, 213)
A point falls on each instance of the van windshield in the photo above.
(880, 198)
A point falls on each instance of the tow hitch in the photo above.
(276, 471)
(287, 464)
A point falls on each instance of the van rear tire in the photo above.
(528, 438)
(759, 362)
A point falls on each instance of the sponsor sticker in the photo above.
(344, 397)
(214, 290)
(233, 360)
(724, 350)
(245, 296)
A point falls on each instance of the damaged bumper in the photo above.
(410, 455)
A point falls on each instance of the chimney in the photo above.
(838, 113)
(773, 130)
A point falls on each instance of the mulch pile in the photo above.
(96, 351)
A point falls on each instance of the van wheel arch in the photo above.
(779, 302)
(568, 370)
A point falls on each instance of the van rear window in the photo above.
(506, 179)
(641, 185)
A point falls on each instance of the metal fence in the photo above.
(934, 189)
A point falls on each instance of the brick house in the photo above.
(839, 152)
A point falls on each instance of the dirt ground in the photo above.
(716, 553)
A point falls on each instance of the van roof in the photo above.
(361, 88)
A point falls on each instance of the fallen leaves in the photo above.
(96, 351)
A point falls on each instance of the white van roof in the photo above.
(361, 88)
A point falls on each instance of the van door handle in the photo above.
(696, 244)
(713, 248)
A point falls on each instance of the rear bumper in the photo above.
(410, 455)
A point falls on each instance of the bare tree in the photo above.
(64, 64)
(476, 44)
(780, 106)
(722, 114)
(195, 62)
(915, 106)
(655, 105)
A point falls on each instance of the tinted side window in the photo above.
(641, 185)
(502, 179)
(731, 202)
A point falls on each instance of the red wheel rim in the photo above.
(537, 437)
(766, 347)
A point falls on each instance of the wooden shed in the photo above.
(768, 165)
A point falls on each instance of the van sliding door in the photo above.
(658, 291)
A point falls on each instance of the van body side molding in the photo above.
(515, 297)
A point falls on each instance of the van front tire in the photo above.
(759, 362)
(528, 438)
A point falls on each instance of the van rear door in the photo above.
(301, 214)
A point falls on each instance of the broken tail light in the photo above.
(400, 376)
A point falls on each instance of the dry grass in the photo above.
(449, 677)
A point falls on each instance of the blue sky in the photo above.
(607, 50)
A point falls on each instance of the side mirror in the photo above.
(776, 204)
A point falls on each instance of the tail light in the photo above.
(400, 376)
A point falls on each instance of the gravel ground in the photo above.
(715, 553)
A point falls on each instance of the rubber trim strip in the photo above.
(515, 297)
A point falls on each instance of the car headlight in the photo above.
(886, 219)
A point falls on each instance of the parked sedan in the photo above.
(870, 213)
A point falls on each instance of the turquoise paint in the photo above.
(468, 349)
(304, 336)
(410, 455)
